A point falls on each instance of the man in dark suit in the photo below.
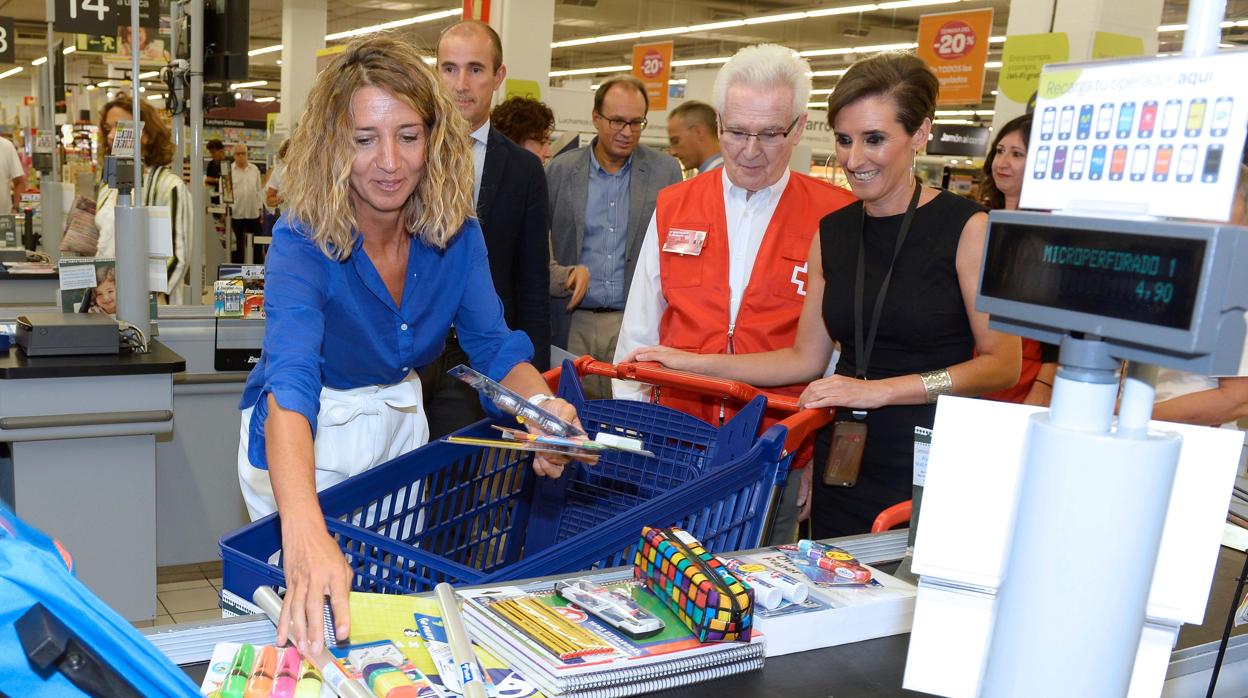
(510, 196)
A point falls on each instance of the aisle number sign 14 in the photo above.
(955, 46)
(652, 64)
(97, 17)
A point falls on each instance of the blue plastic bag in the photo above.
(36, 569)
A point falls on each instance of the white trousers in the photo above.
(356, 430)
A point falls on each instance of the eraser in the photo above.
(618, 441)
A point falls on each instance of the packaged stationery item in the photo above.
(826, 564)
(714, 603)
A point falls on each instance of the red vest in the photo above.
(1032, 359)
(696, 287)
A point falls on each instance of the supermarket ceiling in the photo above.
(733, 24)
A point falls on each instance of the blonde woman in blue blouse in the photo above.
(375, 258)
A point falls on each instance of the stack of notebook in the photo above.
(594, 660)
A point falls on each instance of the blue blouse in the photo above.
(334, 324)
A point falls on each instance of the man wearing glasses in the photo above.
(723, 264)
(601, 196)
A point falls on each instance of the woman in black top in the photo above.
(928, 340)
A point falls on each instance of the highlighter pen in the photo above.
(343, 685)
(236, 681)
(288, 674)
(261, 681)
(309, 685)
(835, 560)
(388, 681)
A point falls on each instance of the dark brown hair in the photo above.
(902, 76)
(627, 80)
(695, 112)
(989, 195)
(158, 150)
(523, 118)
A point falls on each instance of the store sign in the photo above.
(7, 39)
(1158, 136)
(86, 17)
(149, 12)
(652, 64)
(955, 46)
(1022, 59)
(967, 141)
(85, 43)
(45, 142)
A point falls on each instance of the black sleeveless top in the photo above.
(923, 327)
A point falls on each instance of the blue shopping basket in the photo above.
(466, 514)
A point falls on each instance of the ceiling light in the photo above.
(266, 99)
(155, 97)
(149, 74)
(69, 49)
(253, 83)
(960, 122)
(238, 95)
(990, 65)
(996, 39)
(90, 87)
(699, 61)
(11, 71)
(590, 71)
(106, 83)
(40, 60)
(764, 19)
(829, 73)
(681, 81)
(419, 19)
(817, 105)
(267, 49)
(857, 49)
(965, 112)
(279, 61)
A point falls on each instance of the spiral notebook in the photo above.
(668, 659)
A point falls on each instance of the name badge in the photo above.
(685, 241)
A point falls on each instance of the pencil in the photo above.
(537, 633)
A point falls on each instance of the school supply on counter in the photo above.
(672, 656)
(415, 625)
(243, 671)
(271, 604)
(466, 669)
(829, 614)
(694, 584)
(827, 564)
(511, 403)
(772, 589)
(615, 607)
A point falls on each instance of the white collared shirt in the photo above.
(747, 217)
(479, 138)
(248, 199)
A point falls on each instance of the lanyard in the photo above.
(862, 350)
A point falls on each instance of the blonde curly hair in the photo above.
(318, 165)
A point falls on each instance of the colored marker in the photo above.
(288, 674)
(835, 560)
(236, 681)
(309, 685)
(261, 681)
(388, 681)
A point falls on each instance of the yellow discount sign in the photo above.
(652, 64)
(955, 46)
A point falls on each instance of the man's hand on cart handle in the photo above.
(315, 569)
(671, 358)
(551, 464)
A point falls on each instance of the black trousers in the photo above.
(450, 404)
(241, 227)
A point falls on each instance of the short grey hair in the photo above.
(765, 65)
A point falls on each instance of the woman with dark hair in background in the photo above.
(161, 187)
(1004, 169)
(904, 260)
(529, 123)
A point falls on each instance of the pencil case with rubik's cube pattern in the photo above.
(714, 604)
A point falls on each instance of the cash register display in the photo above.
(1143, 278)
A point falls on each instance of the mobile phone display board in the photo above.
(1159, 292)
(1155, 136)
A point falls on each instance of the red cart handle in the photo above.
(800, 424)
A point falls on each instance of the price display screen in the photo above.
(1142, 278)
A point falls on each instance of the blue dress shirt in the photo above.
(606, 234)
(334, 324)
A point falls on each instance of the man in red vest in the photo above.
(723, 263)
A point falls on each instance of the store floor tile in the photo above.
(187, 600)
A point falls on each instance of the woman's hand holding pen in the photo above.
(551, 464)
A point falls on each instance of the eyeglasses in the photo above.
(765, 138)
(637, 125)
